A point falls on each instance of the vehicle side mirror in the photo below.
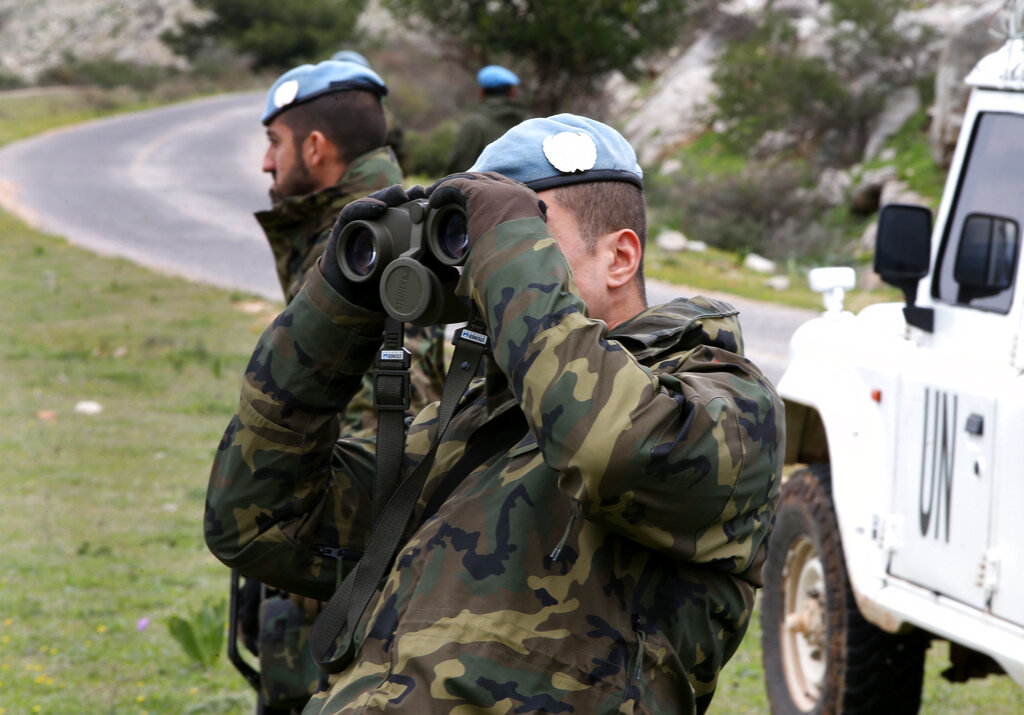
(903, 255)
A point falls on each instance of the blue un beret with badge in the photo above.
(545, 153)
(493, 76)
(307, 82)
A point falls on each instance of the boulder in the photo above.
(900, 105)
(866, 195)
(758, 264)
(38, 35)
(671, 241)
(967, 41)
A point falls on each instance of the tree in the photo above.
(563, 48)
(273, 34)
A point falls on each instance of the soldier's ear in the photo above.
(625, 255)
(317, 149)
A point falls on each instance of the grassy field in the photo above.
(102, 512)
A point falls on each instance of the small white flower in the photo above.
(88, 407)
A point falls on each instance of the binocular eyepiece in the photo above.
(389, 254)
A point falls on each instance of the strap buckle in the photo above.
(392, 388)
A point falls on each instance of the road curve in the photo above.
(174, 189)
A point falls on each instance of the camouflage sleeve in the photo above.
(682, 460)
(284, 497)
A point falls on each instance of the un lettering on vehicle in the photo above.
(942, 488)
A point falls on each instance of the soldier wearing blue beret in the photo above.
(498, 111)
(584, 530)
(327, 145)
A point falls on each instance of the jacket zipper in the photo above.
(641, 641)
(573, 515)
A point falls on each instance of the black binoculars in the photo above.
(392, 254)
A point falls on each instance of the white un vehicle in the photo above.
(905, 519)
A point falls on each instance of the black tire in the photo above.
(820, 655)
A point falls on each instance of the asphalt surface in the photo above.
(174, 189)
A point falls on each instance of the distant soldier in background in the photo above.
(327, 139)
(498, 111)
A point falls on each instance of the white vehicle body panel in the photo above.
(925, 430)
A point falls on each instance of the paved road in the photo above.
(174, 189)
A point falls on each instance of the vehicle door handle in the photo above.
(975, 424)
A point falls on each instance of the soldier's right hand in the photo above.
(370, 208)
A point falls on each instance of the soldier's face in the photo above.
(284, 162)
(589, 271)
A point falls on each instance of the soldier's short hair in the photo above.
(352, 120)
(601, 207)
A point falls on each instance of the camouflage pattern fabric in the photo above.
(607, 563)
(488, 120)
(284, 653)
(297, 229)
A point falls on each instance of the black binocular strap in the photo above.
(331, 638)
(391, 398)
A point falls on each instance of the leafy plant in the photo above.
(201, 635)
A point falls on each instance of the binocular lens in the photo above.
(361, 252)
(454, 236)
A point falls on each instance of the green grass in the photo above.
(722, 272)
(28, 112)
(102, 513)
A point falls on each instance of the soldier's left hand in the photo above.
(488, 199)
(366, 209)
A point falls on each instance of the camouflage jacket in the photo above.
(488, 120)
(652, 460)
(297, 228)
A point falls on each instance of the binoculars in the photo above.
(388, 254)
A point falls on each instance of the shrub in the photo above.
(764, 207)
(106, 72)
(427, 152)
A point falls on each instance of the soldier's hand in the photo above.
(488, 200)
(367, 209)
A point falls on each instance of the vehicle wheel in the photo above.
(820, 655)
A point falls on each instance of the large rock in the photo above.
(968, 39)
(900, 105)
(38, 35)
(866, 196)
(677, 107)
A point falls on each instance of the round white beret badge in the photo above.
(286, 93)
(570, 151)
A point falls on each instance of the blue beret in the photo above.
(560, 150)
(493, 76)
(350, 56)
(307, 82)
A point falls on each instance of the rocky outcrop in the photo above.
(675, 109)
(968, 39)
(41, 34)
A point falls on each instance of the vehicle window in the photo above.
(986, 257)
(978, 257)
